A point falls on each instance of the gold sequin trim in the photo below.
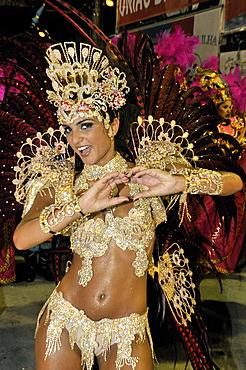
(133, 232)
(62, 314)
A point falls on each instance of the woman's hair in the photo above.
(127, 114)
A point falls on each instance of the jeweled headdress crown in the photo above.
(84, 83)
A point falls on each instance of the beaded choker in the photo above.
(95, 172)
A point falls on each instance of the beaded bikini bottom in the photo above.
(93, 337)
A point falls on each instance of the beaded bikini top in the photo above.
(133, 232)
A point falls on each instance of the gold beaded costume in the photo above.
(175, 129)
(90, 238)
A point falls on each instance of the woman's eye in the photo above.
(67, 129)
(86, 125)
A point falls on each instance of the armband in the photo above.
(53, 214)
(197, 181)
(200, 180)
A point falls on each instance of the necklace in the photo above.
(95, 172)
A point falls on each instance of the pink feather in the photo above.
(176, 47)
(237, 86)
(211, 62)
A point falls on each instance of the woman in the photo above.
(224, 109)
(221, 95)
(111, 210)
(231, 125)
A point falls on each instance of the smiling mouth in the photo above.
(84, 150)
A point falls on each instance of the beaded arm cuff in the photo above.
(197, 181)
(200, 181)
(58, 213)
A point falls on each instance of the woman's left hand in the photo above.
(160, 183)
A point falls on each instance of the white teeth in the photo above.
(83, 147)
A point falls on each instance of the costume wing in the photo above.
(180, 126)
(43, 163)
(24, 111)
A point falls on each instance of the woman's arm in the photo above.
(30, 231)
(161, 183)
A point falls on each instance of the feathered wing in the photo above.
(24, 111)
(196, 115)
(193, 114)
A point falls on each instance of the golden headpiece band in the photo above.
(84, 83)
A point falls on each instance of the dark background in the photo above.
(16, 17)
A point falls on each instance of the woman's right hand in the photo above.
(97, 197)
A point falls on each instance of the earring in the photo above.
(110, 133)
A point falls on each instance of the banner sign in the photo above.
(154, 30)
(131, 11)
(207, 28)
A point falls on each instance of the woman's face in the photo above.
(89, 139)
(224, 109)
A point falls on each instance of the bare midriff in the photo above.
(114, 291)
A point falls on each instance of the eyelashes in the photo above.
(85, 125)
(82, 126)
(67, 129)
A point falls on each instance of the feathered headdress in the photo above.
(213, 86)
(83, 82)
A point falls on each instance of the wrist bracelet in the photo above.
(53, 214)
(197, 181)
(77, 208)
(200, 180)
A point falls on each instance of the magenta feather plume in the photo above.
(237, 86)
(177, 48)
(211, 62)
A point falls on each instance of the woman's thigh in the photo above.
(64, 358)
(142, 350)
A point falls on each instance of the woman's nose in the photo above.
(77, 137)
